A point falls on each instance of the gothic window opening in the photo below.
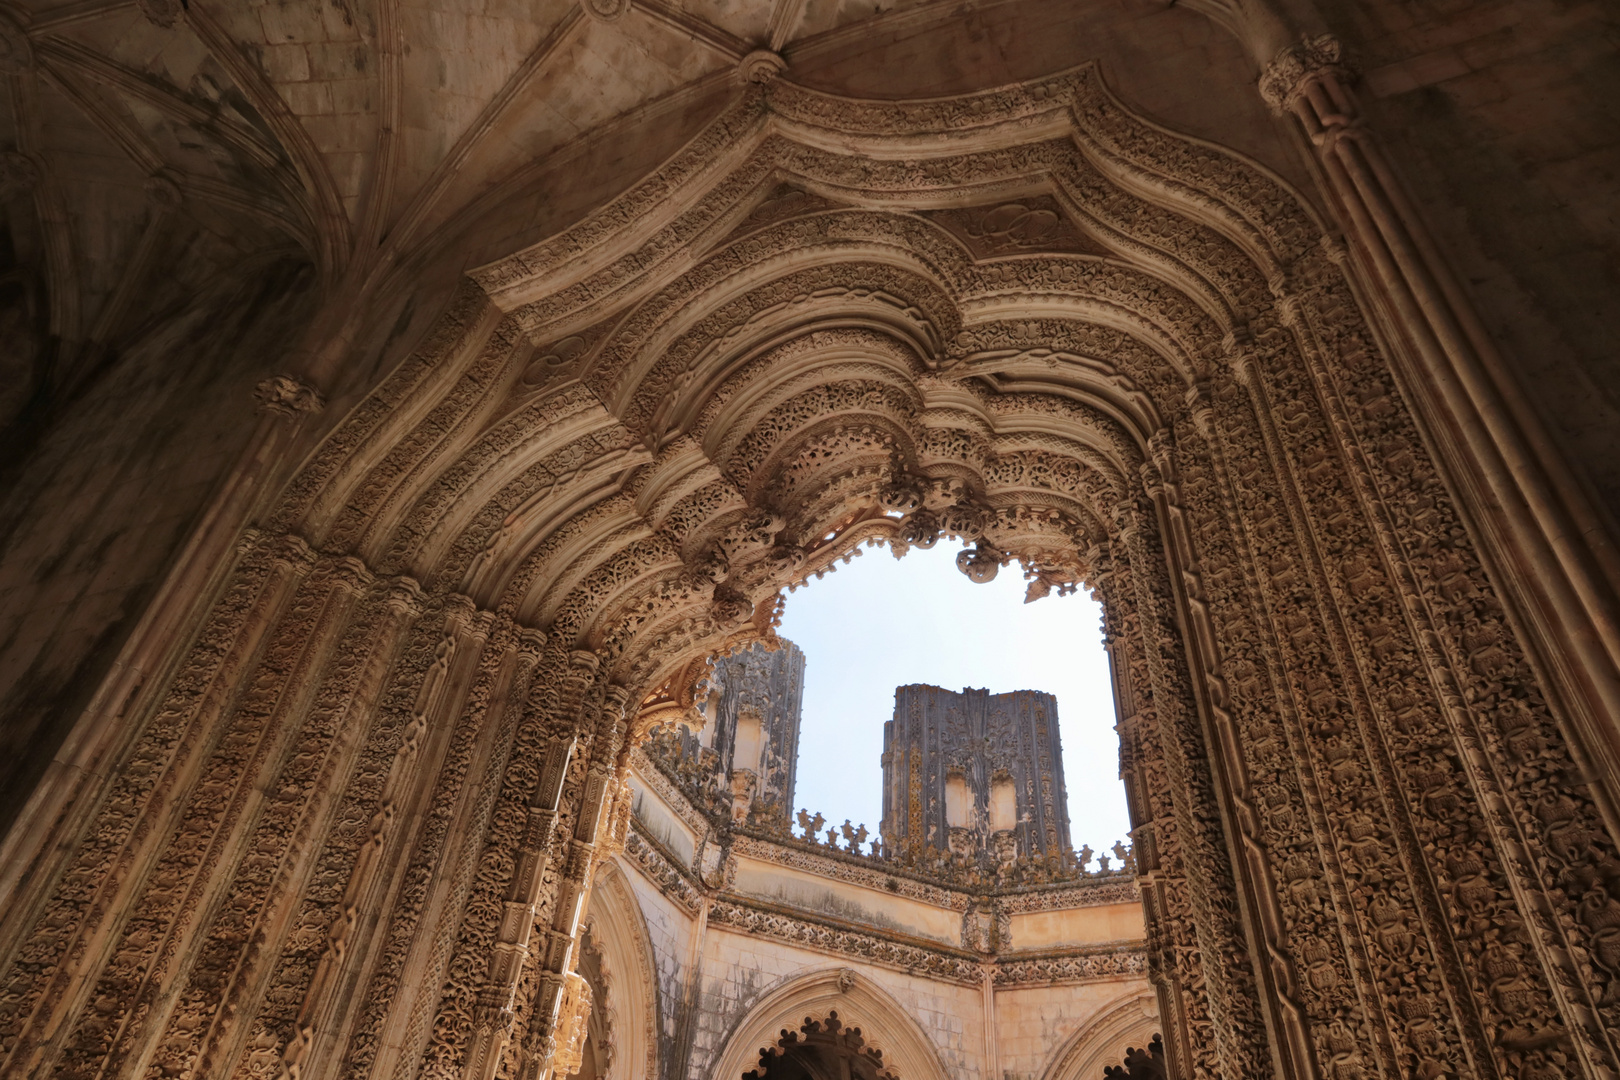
(1022, 760)
(1140, 1063)
(821, 1050)
(1003, 804)
(958, 802)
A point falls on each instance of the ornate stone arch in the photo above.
(1102, 1040)
(859, 1002)
(394, 753)
(621, 935)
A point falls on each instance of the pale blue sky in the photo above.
(877, 623)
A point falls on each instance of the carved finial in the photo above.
(1287, 76)
(606, 10)
(288, 396)
(979, 563)
(761, 66)
(16, 51)
(163, 13)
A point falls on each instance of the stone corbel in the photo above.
(286, 396)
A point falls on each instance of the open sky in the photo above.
(877, 623)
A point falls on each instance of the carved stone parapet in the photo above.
(287, 396)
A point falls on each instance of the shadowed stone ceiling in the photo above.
(171, 142)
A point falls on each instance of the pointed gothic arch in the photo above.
(1102, 1040)
(905, 1050)
(1352, 797)
(621, 935)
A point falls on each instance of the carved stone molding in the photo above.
(1287, 76)
(960, 968)
(1071, 966)
(1364, 841)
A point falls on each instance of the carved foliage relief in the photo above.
(354, 834)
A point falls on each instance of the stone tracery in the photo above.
(1364, 849)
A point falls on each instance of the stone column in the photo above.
(1238, 1040)
(492, 1012)
(557, 1018)
(1545, 546)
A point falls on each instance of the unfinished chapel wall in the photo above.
(1145, 308)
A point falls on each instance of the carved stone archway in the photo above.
(1103, 1039)
(903, 1048)
(356, 832)
(620, 933)
(824, 1049)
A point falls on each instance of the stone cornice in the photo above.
(901, 952)
(840, 938)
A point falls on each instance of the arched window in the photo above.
(821, 1050)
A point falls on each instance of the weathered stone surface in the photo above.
(975, 772)
(332, 706)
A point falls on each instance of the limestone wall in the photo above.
(992, 986)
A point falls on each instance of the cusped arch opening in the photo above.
(826, 1049)
(828, 1015)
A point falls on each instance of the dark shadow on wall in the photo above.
(99, 492)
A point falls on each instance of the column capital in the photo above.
(1296, 67)
(287, 396)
